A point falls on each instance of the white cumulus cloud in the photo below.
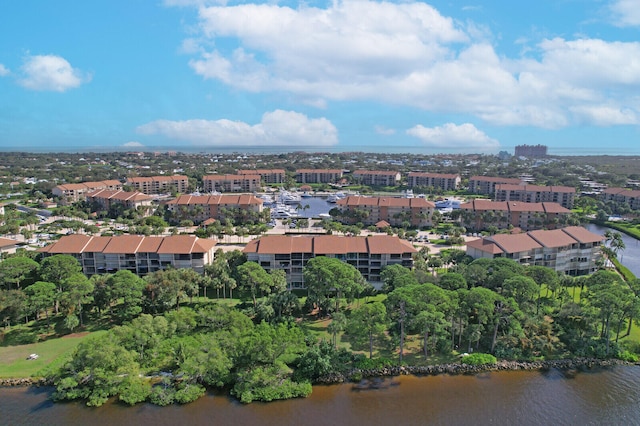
(382, 130)
(409, 54)
(132, 144)
(50, 73)
(463, 137)
(277, 128)
(4, 70)
(626, 13)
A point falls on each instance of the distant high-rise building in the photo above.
(531, 150)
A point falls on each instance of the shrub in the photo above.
(628, 356)
(479, 359)
(134, 390)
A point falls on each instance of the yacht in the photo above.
(288, 198)
(333, 198)
(282, 211)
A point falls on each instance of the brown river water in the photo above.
(597, 397)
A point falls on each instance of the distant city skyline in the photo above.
(350, 75)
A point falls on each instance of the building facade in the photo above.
(219, 207)
(377, 177)
(318, 175)
(478, 215)
(154, 185)
(72, 192)
(136, 253)
(623, 195)
(367, 254)
(486, 185)
(572, 250)
(129, 200)
(442, 181)
(563, 195)
(231, 183)
(268, 176)
(418, 212)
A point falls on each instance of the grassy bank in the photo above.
(14, 362)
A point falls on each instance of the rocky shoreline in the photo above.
(458, 369)
(28, 381)
(426, 370)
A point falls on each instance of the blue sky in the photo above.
(431, 77)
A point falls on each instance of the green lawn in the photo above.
(14, 363)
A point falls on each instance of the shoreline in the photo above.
(455, 369)
(452, 369)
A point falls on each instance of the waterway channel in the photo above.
(596, 397)
(630, 256)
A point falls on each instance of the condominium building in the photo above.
(72, 192)
(377, 177)
(563, 195)
(572, 250)
(129, 200)
(368, 254)
(202, 207)
(486, 185)
(268, 176)
(318, 175)
(442, 181)
(623, 195)
(370, 210)
(231, 183)
(532, 151)
(136, 253)
(478, 215)
(153, 185)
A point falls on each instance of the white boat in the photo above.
(288, 198)
(448, 204)
(282, 211)
(333, 198)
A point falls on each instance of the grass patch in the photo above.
(14, 363)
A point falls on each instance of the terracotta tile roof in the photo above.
(516, 206)
(555, 208)
(485, 245)
(97, 244)
(328, 244)
(536, 239)
(375, 172)
(129, 244)
(614, 191)
(381, 244)
(261, 172)
(319, 171)
(358, 200)
(231, 177)
(485, 205)
(496, 179)
(553, 238)
(534, 188)
(139, 179)
(119, 195)
(434, 175)
(7, 242)
(583, 235)
(237, 199)
(69, 244)
(150, 245)
(515, 243)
